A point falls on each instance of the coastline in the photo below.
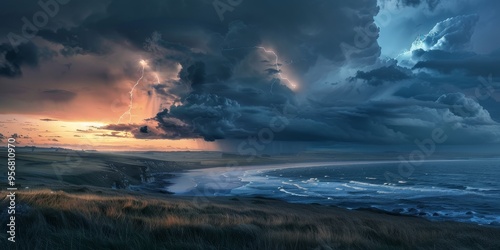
(128, 220)
(179, 177)
(82, 208)
(239, 182)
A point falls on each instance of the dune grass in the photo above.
(119, 220)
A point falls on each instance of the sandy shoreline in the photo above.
(237, 182)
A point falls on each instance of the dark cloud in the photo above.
(212, 116)
(120, 127)
(448, 63)
(144, 129)
(57, 95)
(195, 74)
(86, 130)
(412, 106)
(377, 76)
(304, 30)
(465, 107)
(431, 4)
(112, 134)
(165, 129)
(419, 90)
(48, 120)
(79, 40)
(232, 84)
(12, 59)
(103, 40)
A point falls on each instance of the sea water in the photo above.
(461, 190)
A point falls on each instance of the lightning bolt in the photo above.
(278, 69)
(290, 84)
(128, 113)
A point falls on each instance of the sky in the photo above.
(249, 76)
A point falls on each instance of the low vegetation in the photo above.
(99, 219)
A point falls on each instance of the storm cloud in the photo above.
(313, 67)
(11, 60)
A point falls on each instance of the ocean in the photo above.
(457, 190)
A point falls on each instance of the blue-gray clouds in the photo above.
(228, 86)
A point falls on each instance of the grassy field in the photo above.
(88, 218)
(89, 200)
(122, 170)
(48, 168)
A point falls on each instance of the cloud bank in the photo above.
(231, 79)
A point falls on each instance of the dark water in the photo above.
(466, 191)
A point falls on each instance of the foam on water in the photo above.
(291, 193)
(438, 190)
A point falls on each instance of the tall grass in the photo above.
(59, 220)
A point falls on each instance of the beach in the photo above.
(470, 195)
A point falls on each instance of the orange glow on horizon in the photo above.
(87, 135)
